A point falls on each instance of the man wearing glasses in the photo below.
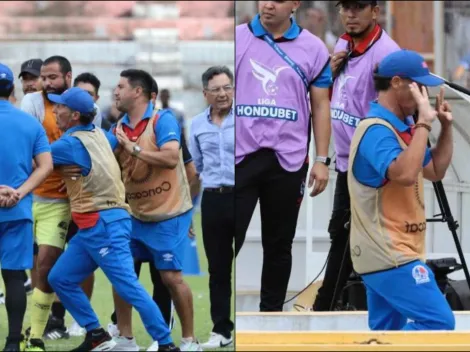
(212, 140)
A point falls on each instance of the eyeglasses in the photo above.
(216, 90)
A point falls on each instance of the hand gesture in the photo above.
(124, 140)
(318, 178)
(426, 113)
(336, 61)
(9, 197)
(444, 112)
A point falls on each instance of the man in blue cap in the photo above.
(389, 158)
(97, 200)
(23, 139)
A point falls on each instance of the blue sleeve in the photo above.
(41, 144)
(379, 147)
(167, 129)
(113, 142)
(70, 151)
(325, 79)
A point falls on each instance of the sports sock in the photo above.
(15, 301)
(40, 308)
(58, 310)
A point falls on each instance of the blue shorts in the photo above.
(409, 292)
(16, 245)
(162, 242)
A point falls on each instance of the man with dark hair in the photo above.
(98, 208)
(158, 193)
(389, 161)
(281, 94)
(165, 97)
(90, 83)
(30, 76)
(356, 54)
(23, 139)
(161, 294)
(212, 144)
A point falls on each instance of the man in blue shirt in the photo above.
(212, 144)
(158, 193)
(99, 210)
(389, 160)
(23, 139)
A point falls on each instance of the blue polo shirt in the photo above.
(22, 138)
(379, 147)
(324, 79)
(69, 150)
(166, 129)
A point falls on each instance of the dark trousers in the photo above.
(218, 233)
(260, 177)
(339, 266)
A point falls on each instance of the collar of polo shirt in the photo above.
(258, 30)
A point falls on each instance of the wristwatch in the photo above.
(136, 150)
(323, 159)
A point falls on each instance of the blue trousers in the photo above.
(106, 246)
(409, 292)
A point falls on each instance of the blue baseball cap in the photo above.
(75, 99)
(408, 64)
(6, 76)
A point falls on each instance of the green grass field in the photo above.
(103, 304)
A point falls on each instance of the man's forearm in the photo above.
(442, 153)
(322, 128)
(38, 176)
(163, 158)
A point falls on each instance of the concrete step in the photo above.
(320, 321)
(348, 341)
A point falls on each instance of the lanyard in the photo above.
(287, 59)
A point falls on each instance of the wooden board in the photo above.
(277, 338)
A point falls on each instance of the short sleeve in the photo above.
(41, 144)
(325, 79)
(61, 151)
(71, 151)
(379, 147)
(167, 129)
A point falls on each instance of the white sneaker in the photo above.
(2, 297)
(124, 344)
(192, 345)
(113, 330)
(217, 341)
(76, 330)
(153, 347)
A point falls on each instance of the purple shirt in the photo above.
(353, 90)
(272, 105)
